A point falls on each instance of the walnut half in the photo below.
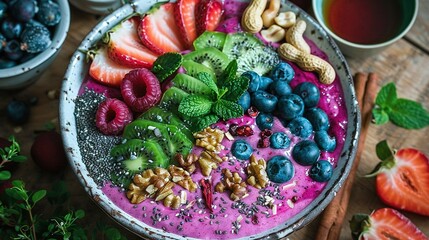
(256, 172)
(234, 183)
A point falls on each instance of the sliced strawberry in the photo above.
(126, 48)
(208, 14)
(402, 179)
(105, 70)
(158, 30)
(184, 12)
(384, 224)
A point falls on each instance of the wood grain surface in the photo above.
(406, 63)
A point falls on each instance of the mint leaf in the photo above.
(208, 80)
(228, 74)
(383, 151)
(166, 64)
(408, 114)
(227, 109)
(236, 88)
(386, 96)
(380, 116)
(202, 122)
(195, 105)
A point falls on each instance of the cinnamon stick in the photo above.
(333, 215)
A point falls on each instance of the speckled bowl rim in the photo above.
(78, 69)
(58, 39)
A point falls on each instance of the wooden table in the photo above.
(406, 63)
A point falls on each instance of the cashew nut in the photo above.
(286, 19)
(251, 20)
(308, 62)
(270, 13)
(294, 36)
(275, 33)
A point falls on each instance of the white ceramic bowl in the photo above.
(26, 73)
(78, 70)
(366, 50)
(100, 7)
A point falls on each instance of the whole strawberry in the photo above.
(402, 178)
(384, 224)
(48, 152)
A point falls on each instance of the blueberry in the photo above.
(10, 28)
(23, 10)
(13, 51)
(290, 106)
(6, 63)
(279, 140)
(308, 92)
(265, 83)
(280, 88)
(27, 57)
(282, 72)
(2, 41)
(318, 118)
(244, 101)
(254, 80)
(49, 13)
(241, 149)
(17, 111)
(300, 127)
(324, 141)
(280, 169)
(263, 101)
(35, 38)
(306, 153)
(3, 9)
(321, 171)
(264, 121)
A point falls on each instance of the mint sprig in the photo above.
(402, 112)
(206, 110)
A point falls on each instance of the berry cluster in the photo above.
(26, 27)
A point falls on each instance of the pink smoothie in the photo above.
(251, 215)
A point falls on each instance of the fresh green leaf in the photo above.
(386, 96)
(166, 64)
(79, 214)
(383, 151)
(208, 80)
(195, 105)
(222, 92)
(236, 88)
(18, 158)
(229, 74)
(202, 122)
(227, 109)
(380, 116)
(408, 114)
(5, 175)
(18, 184)
(37, 196)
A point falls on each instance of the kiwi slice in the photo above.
(210, 39)
(171, 99)
(160, 115)
(260, 60)
(136, 155)
(239, 44)
(191, 85)
(193, 68)
(169, 137)
(210, 57)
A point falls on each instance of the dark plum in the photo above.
(23, 10)
(254, 80)
(280, 169)
(280, 88)
(244, 101)
(309, 93)
(306, 153)
(282, 72)
(318, 118)
(321, 171)
(265, 121)
(290, 107)
(10, 28)
(324, 141)
(35, 38)
(13, 51)
(17, 111)
(300, 127)
(263, 101)
(49, 13)
(279, 140)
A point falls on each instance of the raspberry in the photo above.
(112, 116)
(140, 89)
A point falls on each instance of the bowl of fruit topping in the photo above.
(31, 35)
(236, 118)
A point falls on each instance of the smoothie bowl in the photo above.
(219, 127)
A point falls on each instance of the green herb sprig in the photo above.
(402, 112)
(222, 104)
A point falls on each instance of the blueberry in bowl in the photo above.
(31, 35)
